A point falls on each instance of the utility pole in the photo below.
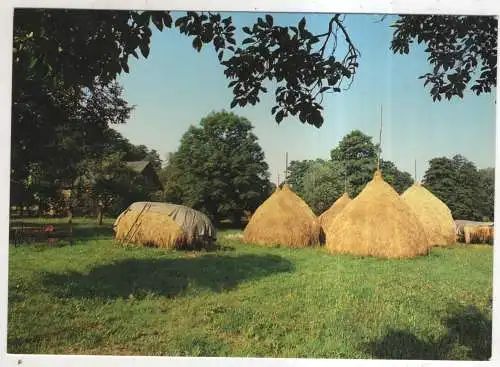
(286, 167)
(379, 141)
(415, 171)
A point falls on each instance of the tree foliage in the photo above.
(297, 171)
(82, 47)
(323, 185)
(109, 183)
(54, 129)
(358, 155)
(85, 47)
(352, 165)
(462, 51)
(468, 192)
(219, 168)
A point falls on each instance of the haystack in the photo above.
(332, 212)
(164, 225)
(479, 234)
(434, 215)
(283, 219)
(377, 223)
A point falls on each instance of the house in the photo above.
(145, 168)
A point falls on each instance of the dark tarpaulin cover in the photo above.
(193, 222)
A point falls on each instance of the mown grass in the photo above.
(95, 297)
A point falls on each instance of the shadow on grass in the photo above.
(166, 277)
(468, 338)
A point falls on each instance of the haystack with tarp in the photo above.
(434, 215)
(164, 225)
(283, 219)
(329, 214)
(377, 223)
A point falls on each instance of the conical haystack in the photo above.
(434, 215)
(335, 209)
(377, 223)
(283, 219)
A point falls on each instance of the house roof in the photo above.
(137, 166)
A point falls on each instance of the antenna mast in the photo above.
(415, 170)
(286, 167)
(345, 180)
(379, 141)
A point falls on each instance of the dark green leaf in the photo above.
(167, 20)
(269, 20)
(279, 116)
(197, 43)
(302, 24)
(144, 50)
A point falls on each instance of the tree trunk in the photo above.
(99, 212)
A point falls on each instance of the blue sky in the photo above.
(176, 87)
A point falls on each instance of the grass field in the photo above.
(96, 297)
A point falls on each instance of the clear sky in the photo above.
(176, 87)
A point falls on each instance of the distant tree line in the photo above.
(466, 190)
(469, 192)
(351, 166)
(92, 169)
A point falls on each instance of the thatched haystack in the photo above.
(164, 225)
(329, 214)
(377, 223)
(434, 215)
(283, 219)
(479, 234)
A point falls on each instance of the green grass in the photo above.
(95, 297)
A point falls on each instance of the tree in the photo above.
(323, 184)
(458, 183)
(462, 51)
(154, 157)
(358, 155)
(399, 180)
(53, 129)
(219, 168)
(487, 191)
(467, 188)
(440, 178)
(296, 172)
(170, 176)
(106, 186)
(355, 160)
(85, 45)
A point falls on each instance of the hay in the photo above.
(283, 219)
(377, 223)
(434, 215)
(479, 234)
(460, 224)
(329, 214)
(157, 227)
